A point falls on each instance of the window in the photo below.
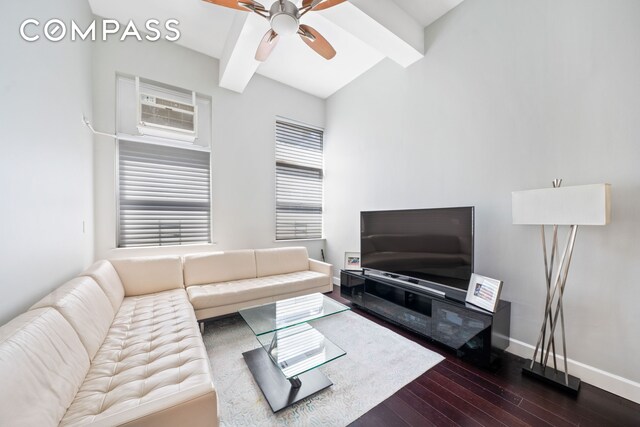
(299, 186)
(164, 195)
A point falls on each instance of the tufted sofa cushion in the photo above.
(270, 262)
(107, 277)
(146, 275)
(152, 358)
(219, 267)
(86, 307)
(42, 365)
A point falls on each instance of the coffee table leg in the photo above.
(274, 342)
(295, 382)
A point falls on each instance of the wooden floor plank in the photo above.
(471, 404)
(480, 401)
(406, 412)
(425, 408)
(380, 416)
(492, 397)
(442, 405)
(479, 380)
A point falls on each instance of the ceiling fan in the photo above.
(284, 17)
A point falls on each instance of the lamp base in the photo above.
(552, 377)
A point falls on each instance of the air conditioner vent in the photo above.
(167, 118)
(173, 104)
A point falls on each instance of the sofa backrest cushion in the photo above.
(148, 275)
(270, 262)
(216, 267)
(86, 307)
(42, 365)
(107, 278)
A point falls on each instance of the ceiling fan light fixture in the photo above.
(284, 18)
(284, 24)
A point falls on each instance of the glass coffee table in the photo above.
(285, 365)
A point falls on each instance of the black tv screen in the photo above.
(429, 244)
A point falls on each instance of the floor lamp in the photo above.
(556, 207)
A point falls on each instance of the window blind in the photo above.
(164, 195)
(299, 181)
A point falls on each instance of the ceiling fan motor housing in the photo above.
(284, 18)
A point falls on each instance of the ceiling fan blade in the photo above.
(268, 43)
(321, 5)
(237, 4)
(315, 41)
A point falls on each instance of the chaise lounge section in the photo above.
(102, 351)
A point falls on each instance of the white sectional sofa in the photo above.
(119, 345)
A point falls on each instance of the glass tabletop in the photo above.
(283, 314)
(298, 349)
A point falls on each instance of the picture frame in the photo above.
(484, 292)
(352, 261)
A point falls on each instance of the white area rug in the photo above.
(378, 363)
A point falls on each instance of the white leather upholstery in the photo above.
(218, 294)
(200, 411)
(215, 287)
(152, 359)
(219, 267)
(270, 262)
(207, 313)
(86, 307)
(142, 276)
(42, 365)
(107, 277)
(321, 267)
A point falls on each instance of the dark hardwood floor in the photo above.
(455, 393)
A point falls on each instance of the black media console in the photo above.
(436, 312)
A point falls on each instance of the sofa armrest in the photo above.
(321, 267)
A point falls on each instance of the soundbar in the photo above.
(407, 284)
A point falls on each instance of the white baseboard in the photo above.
(597, 377)
(336, 280)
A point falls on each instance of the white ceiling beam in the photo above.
(383, 25)
(238, 64)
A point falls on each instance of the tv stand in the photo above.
(475, 334)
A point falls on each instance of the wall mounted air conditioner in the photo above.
(164, 117)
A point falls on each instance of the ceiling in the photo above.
(363, 32)
(427, 11)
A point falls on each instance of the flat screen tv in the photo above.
(435, 245)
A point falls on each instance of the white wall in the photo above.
(46, 169)
(243, 152)
(510, 95)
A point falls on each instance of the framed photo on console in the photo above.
(352, 261)
(484, 292)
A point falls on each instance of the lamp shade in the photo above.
(576, 205)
